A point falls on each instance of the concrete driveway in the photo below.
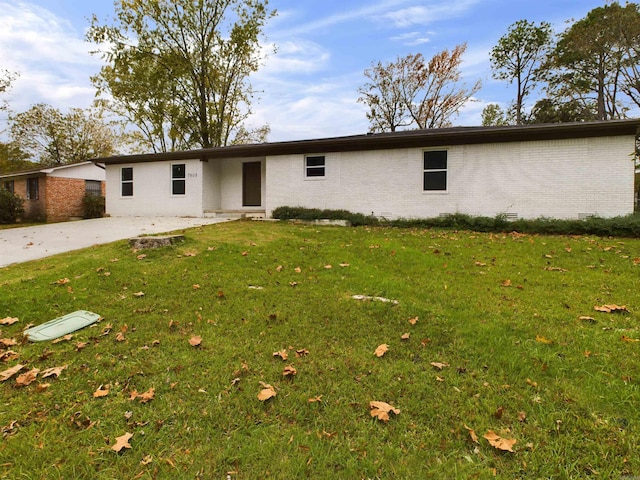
(30, 243)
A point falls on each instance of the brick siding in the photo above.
(64, 198)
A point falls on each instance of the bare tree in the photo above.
(411, 92)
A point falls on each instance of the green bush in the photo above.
(627, 226)
(93, 206)
(310, 214)
(10, 207)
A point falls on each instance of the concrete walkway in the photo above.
(30, 243)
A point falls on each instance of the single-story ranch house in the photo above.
(54, 194)
(570, 170)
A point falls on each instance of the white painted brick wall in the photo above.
(559, 179)
(152, 190)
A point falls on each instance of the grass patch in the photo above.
(501, 310)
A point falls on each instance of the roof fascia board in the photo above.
(404, 139)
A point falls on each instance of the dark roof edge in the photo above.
(405, 139)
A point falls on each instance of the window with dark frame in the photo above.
(93, 188)
(435, 171)
(314, 166)
(10, 186)
(127, 181)
(178, 182)
(33, 192)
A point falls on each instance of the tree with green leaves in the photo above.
(517, 59)
(50, 137)
(494, 115)
(413, 92)
(550, 110)
(179, 69)
(588, 62)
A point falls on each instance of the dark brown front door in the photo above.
(252, 184)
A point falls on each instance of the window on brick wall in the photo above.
(127, 181)
(93, 188)
(178, 182)
(434, 171)
(33, 192)
(314, 166)
(10, 186)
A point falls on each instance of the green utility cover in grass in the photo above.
(61, 326)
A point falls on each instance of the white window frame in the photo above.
(308, 168)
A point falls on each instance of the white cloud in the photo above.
(50, 56)
(426, 14)
(412, 39)
(300, 57)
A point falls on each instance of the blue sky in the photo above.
(310, 86)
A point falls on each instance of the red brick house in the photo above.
(54, 194)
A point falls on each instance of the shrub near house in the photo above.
(10, 207)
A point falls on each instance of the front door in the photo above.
(252, 184)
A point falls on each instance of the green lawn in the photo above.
(493, 341)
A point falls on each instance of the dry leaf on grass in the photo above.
(381, 410)
(8, 342)
(101, 392)
(405, 336)
(302, 352)
(289, 371)
(381, 350)
(413, 320)
(138, 294)
(472, 434)
(27, 378)
(439, 365)
(10, 372)
(282, 354)
(500, 443)
(49, 372)
(611, 308)
(8, 356)
(62, 281)
(143, 397)
(267, 392)
(122, 442)
(8, 321)
(66, 338)
(315, 399)
(195, 341)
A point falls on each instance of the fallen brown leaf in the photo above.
(472, 434)
(8, 342)
(122, 442)
(8, 356)
(381, 350)
(612, 308)
(27, 378)
(267, 392)
(101, 392)
(195, 341)
(8, 321)
(302, 352)
(10, 372)
(282, 354)
(439, 365)
(500, 443)
(66, 338)
(49, 372)
(289, 371)
(381, 410)
(405, 336)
